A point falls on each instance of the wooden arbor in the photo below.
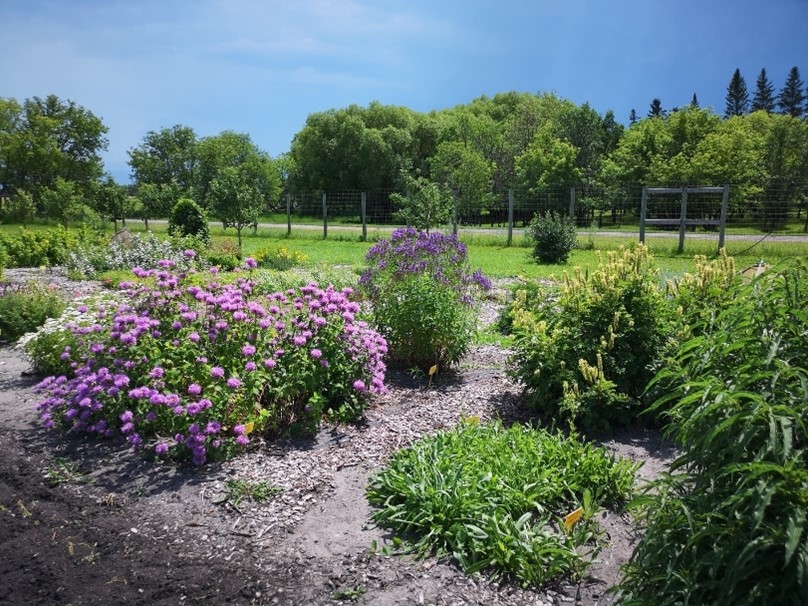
(682, 221)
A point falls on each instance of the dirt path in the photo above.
(86, 523)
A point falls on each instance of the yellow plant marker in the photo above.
(432, 371)
(248, 427)
(571, 518)
(473, 420)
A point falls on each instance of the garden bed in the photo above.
(93, 523)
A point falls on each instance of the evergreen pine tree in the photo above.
(694, 102)
(764, 94)
(656, 110)
(632, 117)
(791, 97)
(737, 96)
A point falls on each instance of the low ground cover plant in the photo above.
(26, 307)
(728, 524)
(498, 500)
(196, 371)
(424, 297)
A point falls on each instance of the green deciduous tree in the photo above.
(42, 140)
(424, 205)
(158, 200)
(62, 202)
(112, 200)
(737, 99)
(21, 208)
(355, 148)
(235, 199)
(548, 161)
(166, 156)
(236, 150)
(467, 174)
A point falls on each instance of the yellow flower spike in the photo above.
(571, 518)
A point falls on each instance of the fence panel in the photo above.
(601, 207)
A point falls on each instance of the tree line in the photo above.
(475, 153)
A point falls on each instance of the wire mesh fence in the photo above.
(618, 206)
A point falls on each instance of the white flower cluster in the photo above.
(144, 252)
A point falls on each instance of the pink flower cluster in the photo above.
(187, 369)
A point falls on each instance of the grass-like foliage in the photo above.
(24, 308)
(423, 296)
(194, 371)
(554, 237)
(728, 525)
(494, 499)
(586, 352)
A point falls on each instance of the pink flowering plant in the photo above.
(424, 296)
(197, 371)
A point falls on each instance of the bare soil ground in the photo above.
(84, 522)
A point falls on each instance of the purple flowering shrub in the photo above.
(424, 296)
(195, 371)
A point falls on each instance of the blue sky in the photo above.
(262, 66)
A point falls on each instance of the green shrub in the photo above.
(224, 254)
(188, 219)
(586, 353)
(554, 236)
(423, 297)
(495, 499)
(37, 248)
(728, 526)
(24, 308)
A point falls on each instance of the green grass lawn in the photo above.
(489, 252)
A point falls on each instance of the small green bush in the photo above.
(554, 236)
(224, 254)
(494, 499)
(188, 219)
(30, 248)
(586, 352)
(728, 525)
(24, 308)
(423, 297)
